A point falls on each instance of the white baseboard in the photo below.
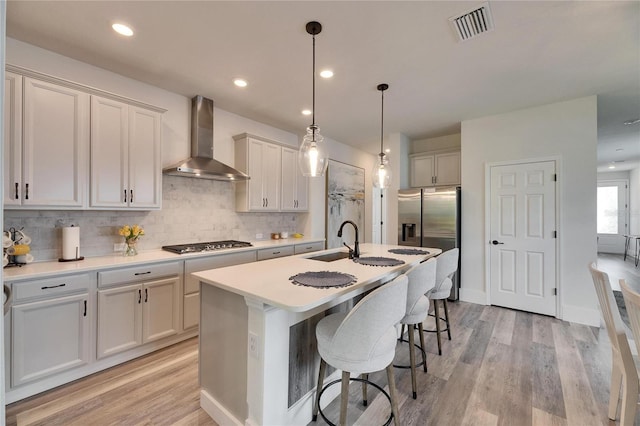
(473, 296)
(300, 412)
(216, 411)
(581, 315)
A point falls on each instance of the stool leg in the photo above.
(446, 318)
(412, 360)
(424, 358)
(344, 397)
(437, 312)
(316, 404)
(392, 394)
(401, 332)
(364, 376)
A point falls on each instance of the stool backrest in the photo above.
(632, 303)
(371, 318)
(422, 278)
(447, 266)
(610, 313)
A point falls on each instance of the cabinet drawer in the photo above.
(138, 273)
(272, 253)
(191, 285)
(51, 287)
(309, 247)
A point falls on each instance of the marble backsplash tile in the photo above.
(193, 210)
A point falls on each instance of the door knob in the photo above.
(496, 242)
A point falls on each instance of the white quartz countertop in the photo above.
(117, 260)
(268, 281)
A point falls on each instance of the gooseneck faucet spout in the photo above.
(356, 248)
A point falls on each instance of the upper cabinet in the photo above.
(125, 156)
(435, 169)
(261, 160)
(295, 187)
(48, 167)
(70, 146)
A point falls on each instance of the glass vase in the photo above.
(130, 247)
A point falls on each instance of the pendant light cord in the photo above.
(382, 127)
(313, 95)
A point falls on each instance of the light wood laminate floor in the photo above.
(502, 367)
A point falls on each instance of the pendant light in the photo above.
(313, 158)
(381, 172)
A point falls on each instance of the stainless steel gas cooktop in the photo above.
(210, 246)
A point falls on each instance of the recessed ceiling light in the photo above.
(122, 29)
(326, 73)
(240, 82)
(619, 149)
(632, 122)
(306, 112)
(612, 166)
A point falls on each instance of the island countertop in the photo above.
(269, 281)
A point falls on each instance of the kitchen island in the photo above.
(258, 359)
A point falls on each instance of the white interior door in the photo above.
(612, 215)
(522, 237)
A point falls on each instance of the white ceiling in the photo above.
(539, 53)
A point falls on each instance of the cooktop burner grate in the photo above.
(208, 246)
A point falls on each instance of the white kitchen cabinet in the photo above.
(125, 155)
(191, 308)
(275, 252)
(308, 247)
(435, 169)
(12, 138)
(261, 160)
(51, 172)
(137, 305)
(51, 322)
(295, 186)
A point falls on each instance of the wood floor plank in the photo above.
(478, 341)
(542, 330)
(547, 386)
(542, 418)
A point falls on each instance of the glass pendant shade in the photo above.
(381, 175)
(312, 156)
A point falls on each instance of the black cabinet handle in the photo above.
(142, 273)
(53, 286)
(85, 309)
(131, 195)
(139, 296)
(26, 194)
(125, 195)
(496, 242)
(146, 295)
(17, 190)
(276, 252)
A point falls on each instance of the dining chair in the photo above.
(623, 370)
(363, 341)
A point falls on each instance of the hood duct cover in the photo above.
(201, 164)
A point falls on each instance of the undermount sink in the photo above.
(330, 257)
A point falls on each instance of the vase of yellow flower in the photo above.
(131, 235)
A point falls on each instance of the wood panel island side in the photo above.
(258, 360)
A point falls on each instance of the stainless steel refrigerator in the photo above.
(430, 217)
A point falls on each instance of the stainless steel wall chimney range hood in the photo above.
(201, 163)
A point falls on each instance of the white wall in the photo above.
(634, 203)
(3, 10)
(399, 165)
(567, 130)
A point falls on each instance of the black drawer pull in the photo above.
(139, 296)
(131, 195)
(276, 252)
(17, 190)
(146, 295)
(85, 309)
(142, 273)
(125, 196)
(26, 195)
(52, 286)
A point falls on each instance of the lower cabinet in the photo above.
(135, 314)
(50, 328)
(308, 247)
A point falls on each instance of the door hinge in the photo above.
(554, 234)
(554, 291)
(554, 177)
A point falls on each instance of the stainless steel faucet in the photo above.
(355, 252)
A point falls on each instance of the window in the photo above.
(611, 210)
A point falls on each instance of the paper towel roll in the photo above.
(70, 242)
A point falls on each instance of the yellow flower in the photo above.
(131, 232)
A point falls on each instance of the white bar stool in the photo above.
(447, 266)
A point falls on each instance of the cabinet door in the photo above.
(302, 190)
(422, 171)
(109, 153)
(55, 145)
(447, 169)
(256, 164)
(288, 176)
(160, 308)
(49, 337)
(145, 168)
(271, 176)
(191, 315)
(12, 138)
(119, 319)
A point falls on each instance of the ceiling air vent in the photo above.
(473, 22)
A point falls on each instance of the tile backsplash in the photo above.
(193, 210)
